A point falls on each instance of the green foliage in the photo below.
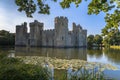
(30, 6)
(98, 40)
(26, 5)
(7, 38)
(90, 41)
(86, 74)
(15, 69)
(96, 6)
(66, 3)
(113, 38)
(94, 41)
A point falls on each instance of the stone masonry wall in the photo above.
(36, 29)
(21, 35)
(48, 38)
(61, 31)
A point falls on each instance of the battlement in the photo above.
(36, 23)
(61, 19)
(84, 31)
(77, 27)
(18, 26)
(48, 31)
(22, 25)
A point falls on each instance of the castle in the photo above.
(58, 37)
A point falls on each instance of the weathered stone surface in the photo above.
(21, 35)
(36, 29)
(58, 37)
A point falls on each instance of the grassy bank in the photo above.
(115, 47)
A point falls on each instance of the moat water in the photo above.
(108, 56)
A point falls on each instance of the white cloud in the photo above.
(9, 19)
(3, 19)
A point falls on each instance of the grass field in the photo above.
(115, 47)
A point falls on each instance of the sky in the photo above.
(10, 17)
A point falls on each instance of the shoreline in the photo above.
(115, 47)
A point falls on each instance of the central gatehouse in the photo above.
(58, 37)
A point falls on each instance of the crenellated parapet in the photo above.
(61, 23)
(61, 19)
(49, 30)
(22, 26)
(77, 28)
(36, 23)
(85, 32)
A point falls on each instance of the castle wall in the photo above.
(79, 36)
(48, 38)
(61, 31)
(36, 29)
(21, 35)
(85, 37)
(69, 42)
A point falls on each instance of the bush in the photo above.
(15, 69)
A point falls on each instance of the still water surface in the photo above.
(104, 56)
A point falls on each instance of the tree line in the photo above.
(103, 41)
(7, 38)
(94, 41)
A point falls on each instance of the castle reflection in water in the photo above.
(61, 53)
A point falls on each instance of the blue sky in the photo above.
(10, 17)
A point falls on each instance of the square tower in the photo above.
(21, 35)
(36, 29)
(61, 31)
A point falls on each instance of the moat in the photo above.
(102, 56)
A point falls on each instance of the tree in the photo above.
(98, 40)
(113, 38)
(90, 41)
(7, 38)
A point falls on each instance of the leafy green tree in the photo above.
(112, 39)
(90, 41)
(115, 39)
(98, 40)
(4, 33)
(106, 41)
(7, 38)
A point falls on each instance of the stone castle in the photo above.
(58, 37)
